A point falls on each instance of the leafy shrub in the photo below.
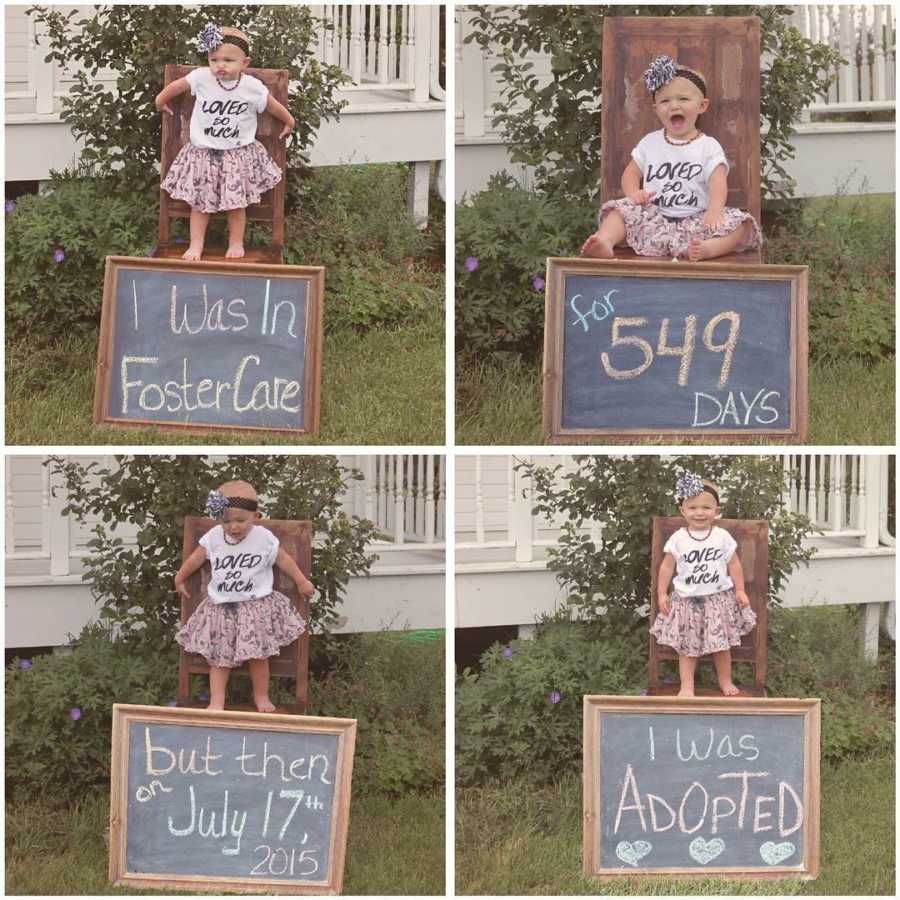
(133, 583)
(503, 238)
(566, 155)
(394, 688)
(520, 716)
(48, 749)
(56, 244)
(815, 653)
(119, 124)
(848, 243)
(610, 576)
(354, 221)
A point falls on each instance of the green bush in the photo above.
(554, 127)
(56, 244)
(848, 243)
(520, 715)
(815, 653)
(503, 238)
(46, 748)
(394, 688)
(354, 221)
(119, 124)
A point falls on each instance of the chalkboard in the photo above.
(677, 350)
(215, 800)
(210, 345)
(678, 786)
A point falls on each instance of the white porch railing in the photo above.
(386, 46)
(845, 495)
(404, 495)
(864, 36)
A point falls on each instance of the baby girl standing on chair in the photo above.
(242, 618)
(223, 167)
(680, 211)
(709, 610)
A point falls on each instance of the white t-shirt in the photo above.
(701, 567)
(241, 571)
(679, 175)
(223, 120)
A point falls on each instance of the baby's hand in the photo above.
(742, 598)
(641, 197)
(182, 590)
(307, 589)
(288, 128)
(713, 219)
(663, 602)
(165, 108)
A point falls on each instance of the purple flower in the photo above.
(537, 283)
(74, 713)
(642, 692)
(554, 697)
(172, 703)
(506, 651)
(151, 252)
(668, 679)
(58, 255)
(24, 663)
(10, 205)
(471, 263)
(204, 696)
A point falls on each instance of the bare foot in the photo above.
(700, 250)
(236, 251)
(216, 704)
(728, 688)
(597, 248)
(193, 253)
(264, 704)
(686, 692)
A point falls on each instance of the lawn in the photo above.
(395, 845)
(850, 403)
(384, 385)
(515, 838)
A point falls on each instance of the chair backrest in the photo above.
(176, 133)
(293, 661)
(726, 50)
(752, 536)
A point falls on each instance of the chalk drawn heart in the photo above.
(774, 853)
(633, 853)
(706, 851)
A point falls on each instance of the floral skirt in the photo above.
(695, 626)
(649, 233)
(228, 634)
(211, 181)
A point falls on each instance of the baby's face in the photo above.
(227, 62)
(236, 523)
(677, 105)
(700, 511)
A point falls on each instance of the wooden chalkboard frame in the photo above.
(558, 268)
(808, 709)
(125, 714)
(313, 336)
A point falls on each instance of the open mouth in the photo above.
(676, 121)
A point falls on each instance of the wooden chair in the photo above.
(293, 661)
(726, 50)
(176, 133)
(752, 536)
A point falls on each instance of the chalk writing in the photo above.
(597, 306)
(210, 348)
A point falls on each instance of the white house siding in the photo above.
(46, 599)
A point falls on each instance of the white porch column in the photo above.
(417, 192)
(472, 69)
(521, 522)
(57, 525)
(874, 488)
(869, 618)
(422, 53)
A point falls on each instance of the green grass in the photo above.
(380, 386)
(395, 845)
(849, 403)
(518, 839)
